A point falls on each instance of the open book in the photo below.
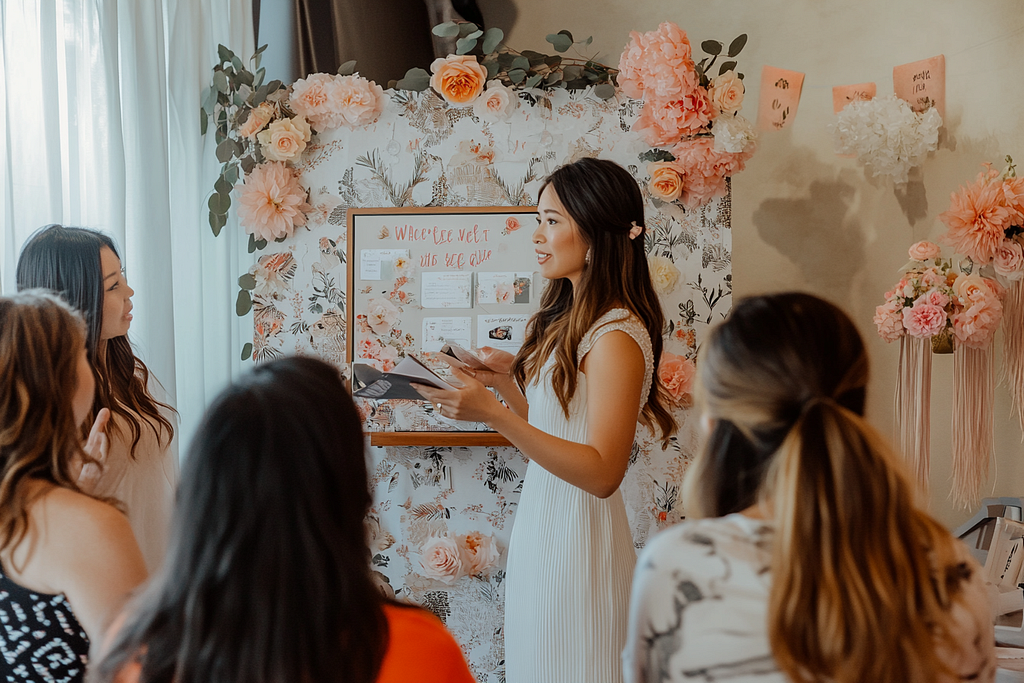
(461, 358)
(369, 382)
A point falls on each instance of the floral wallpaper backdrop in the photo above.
(476, 132)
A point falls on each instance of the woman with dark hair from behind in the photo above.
(67, 560)
(141, 467)
(267, 578)
(806, 557)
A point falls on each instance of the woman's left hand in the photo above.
(472, 403)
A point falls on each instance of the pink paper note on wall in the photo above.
(780, 95)
(842, 95)
(922, 84)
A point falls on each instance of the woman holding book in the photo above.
(575, 390)
(812, 561)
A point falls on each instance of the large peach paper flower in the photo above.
(657, 64)
(271, 202)
(459, 79)
(664, 122)
(977, 219)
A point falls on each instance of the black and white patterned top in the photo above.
(699, 609)
(40, 638)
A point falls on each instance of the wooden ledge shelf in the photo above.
(466, 439)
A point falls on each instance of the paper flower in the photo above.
(1009, 260)
(726, 93)
(328, 101)
(459, 79)
(285, 139)
(923, 251)
(977, 218)
(889, 320)
(258, 117)
(886, 135)
(658, 64)
(381, 314)
(676, 374)
(667, 178)
(663, 122)
(734, 134)
(664, 274)
(496, 103)
(271, 202)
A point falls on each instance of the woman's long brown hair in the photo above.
(862, 578)
(41, 340)
(604, 201)
(67, 261)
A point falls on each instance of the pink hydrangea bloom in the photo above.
(976, 219)
(271, 202)
(924, 320)
(705, 169)
(664, 122)
(889, 320)
(657, 64)
(330, 102)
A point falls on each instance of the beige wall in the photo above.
(805, 219)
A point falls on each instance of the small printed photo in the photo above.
(503, 288)
(502, 332)
(505, 332)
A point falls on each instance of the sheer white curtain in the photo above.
(101, 129)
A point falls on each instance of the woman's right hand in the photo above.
(96, 447)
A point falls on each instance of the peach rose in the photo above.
(726, 93)
(1009, 260)
(676, 374)
(664, 274)
(440, 559)
(666, 180)
(258, 118)
(285, 139)
(511, 224)
(459, 79)
(924, 251)
(496, 103)
(480, 553)
(381, 314)
(924, 320)
(971, 288)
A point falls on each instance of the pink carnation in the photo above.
(663, 122)
(924, 320)
(271, 202)
(329, 102)
(976, 219)
(657, 64)
(676, 375)
(975, 326)
(889, 320)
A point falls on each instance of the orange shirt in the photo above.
(420, 650)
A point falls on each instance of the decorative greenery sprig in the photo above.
(526, 69)
(713, 48)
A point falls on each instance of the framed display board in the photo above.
(419, 277)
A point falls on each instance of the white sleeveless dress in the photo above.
(571, 554)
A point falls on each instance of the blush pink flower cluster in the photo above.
(981, 310)
(328, 101)
(676, 374)
(698, 173)
(271, 202)
(448, 559)
(985, 220)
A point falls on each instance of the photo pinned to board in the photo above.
(503, 287)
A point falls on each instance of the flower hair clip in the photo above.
(635, 230)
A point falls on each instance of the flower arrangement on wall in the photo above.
(886, 135)
(955, 305)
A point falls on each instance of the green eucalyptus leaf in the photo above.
(281, 239)
(204, 121)
(553, 61)
(246, 350)
(464, 45)
(506, 59)
(222, 186)
(237, 63)
(252, 243)
(534, 57)
(261, 244)
(492, 69)
(224, 54)
(559, 41)
(260, 50)
(492, 38)
(605, 91)
(245, 78)
(521, 63)
(217, 222)
(247, 282)
(348, 68)
(237, 100)
(475, 34)
(572, 72)
(448, 29)
(225, 151)
(416, 79)
(565, 33)
(532, 81)
(210, 99)
(726, 66)
(553, 77)
(467, 27)
(712, 47)
(259, 96)
(736, 45)
(588, 41)
(248, 163)
(517, 76)
(220, 81)
(256, 61)
(243, 304)
(219, 203)
(273, 86)
(231, 174)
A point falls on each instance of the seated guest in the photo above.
(67, 560)
(267, 578)
(808, 559)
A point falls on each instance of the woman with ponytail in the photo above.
(808, 558)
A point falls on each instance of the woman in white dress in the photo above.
(809, 560)
(140, 470)
(574, 393)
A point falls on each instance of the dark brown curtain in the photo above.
(385, 37)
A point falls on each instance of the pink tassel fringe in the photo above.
(973, 436)
(913, 407)
(1013, 348)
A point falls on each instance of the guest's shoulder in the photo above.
(730, 535)
(419, 643)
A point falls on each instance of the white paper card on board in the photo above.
(447, 290)
(501, 331)
(503, 288)
(436, 331)
(382, 264)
